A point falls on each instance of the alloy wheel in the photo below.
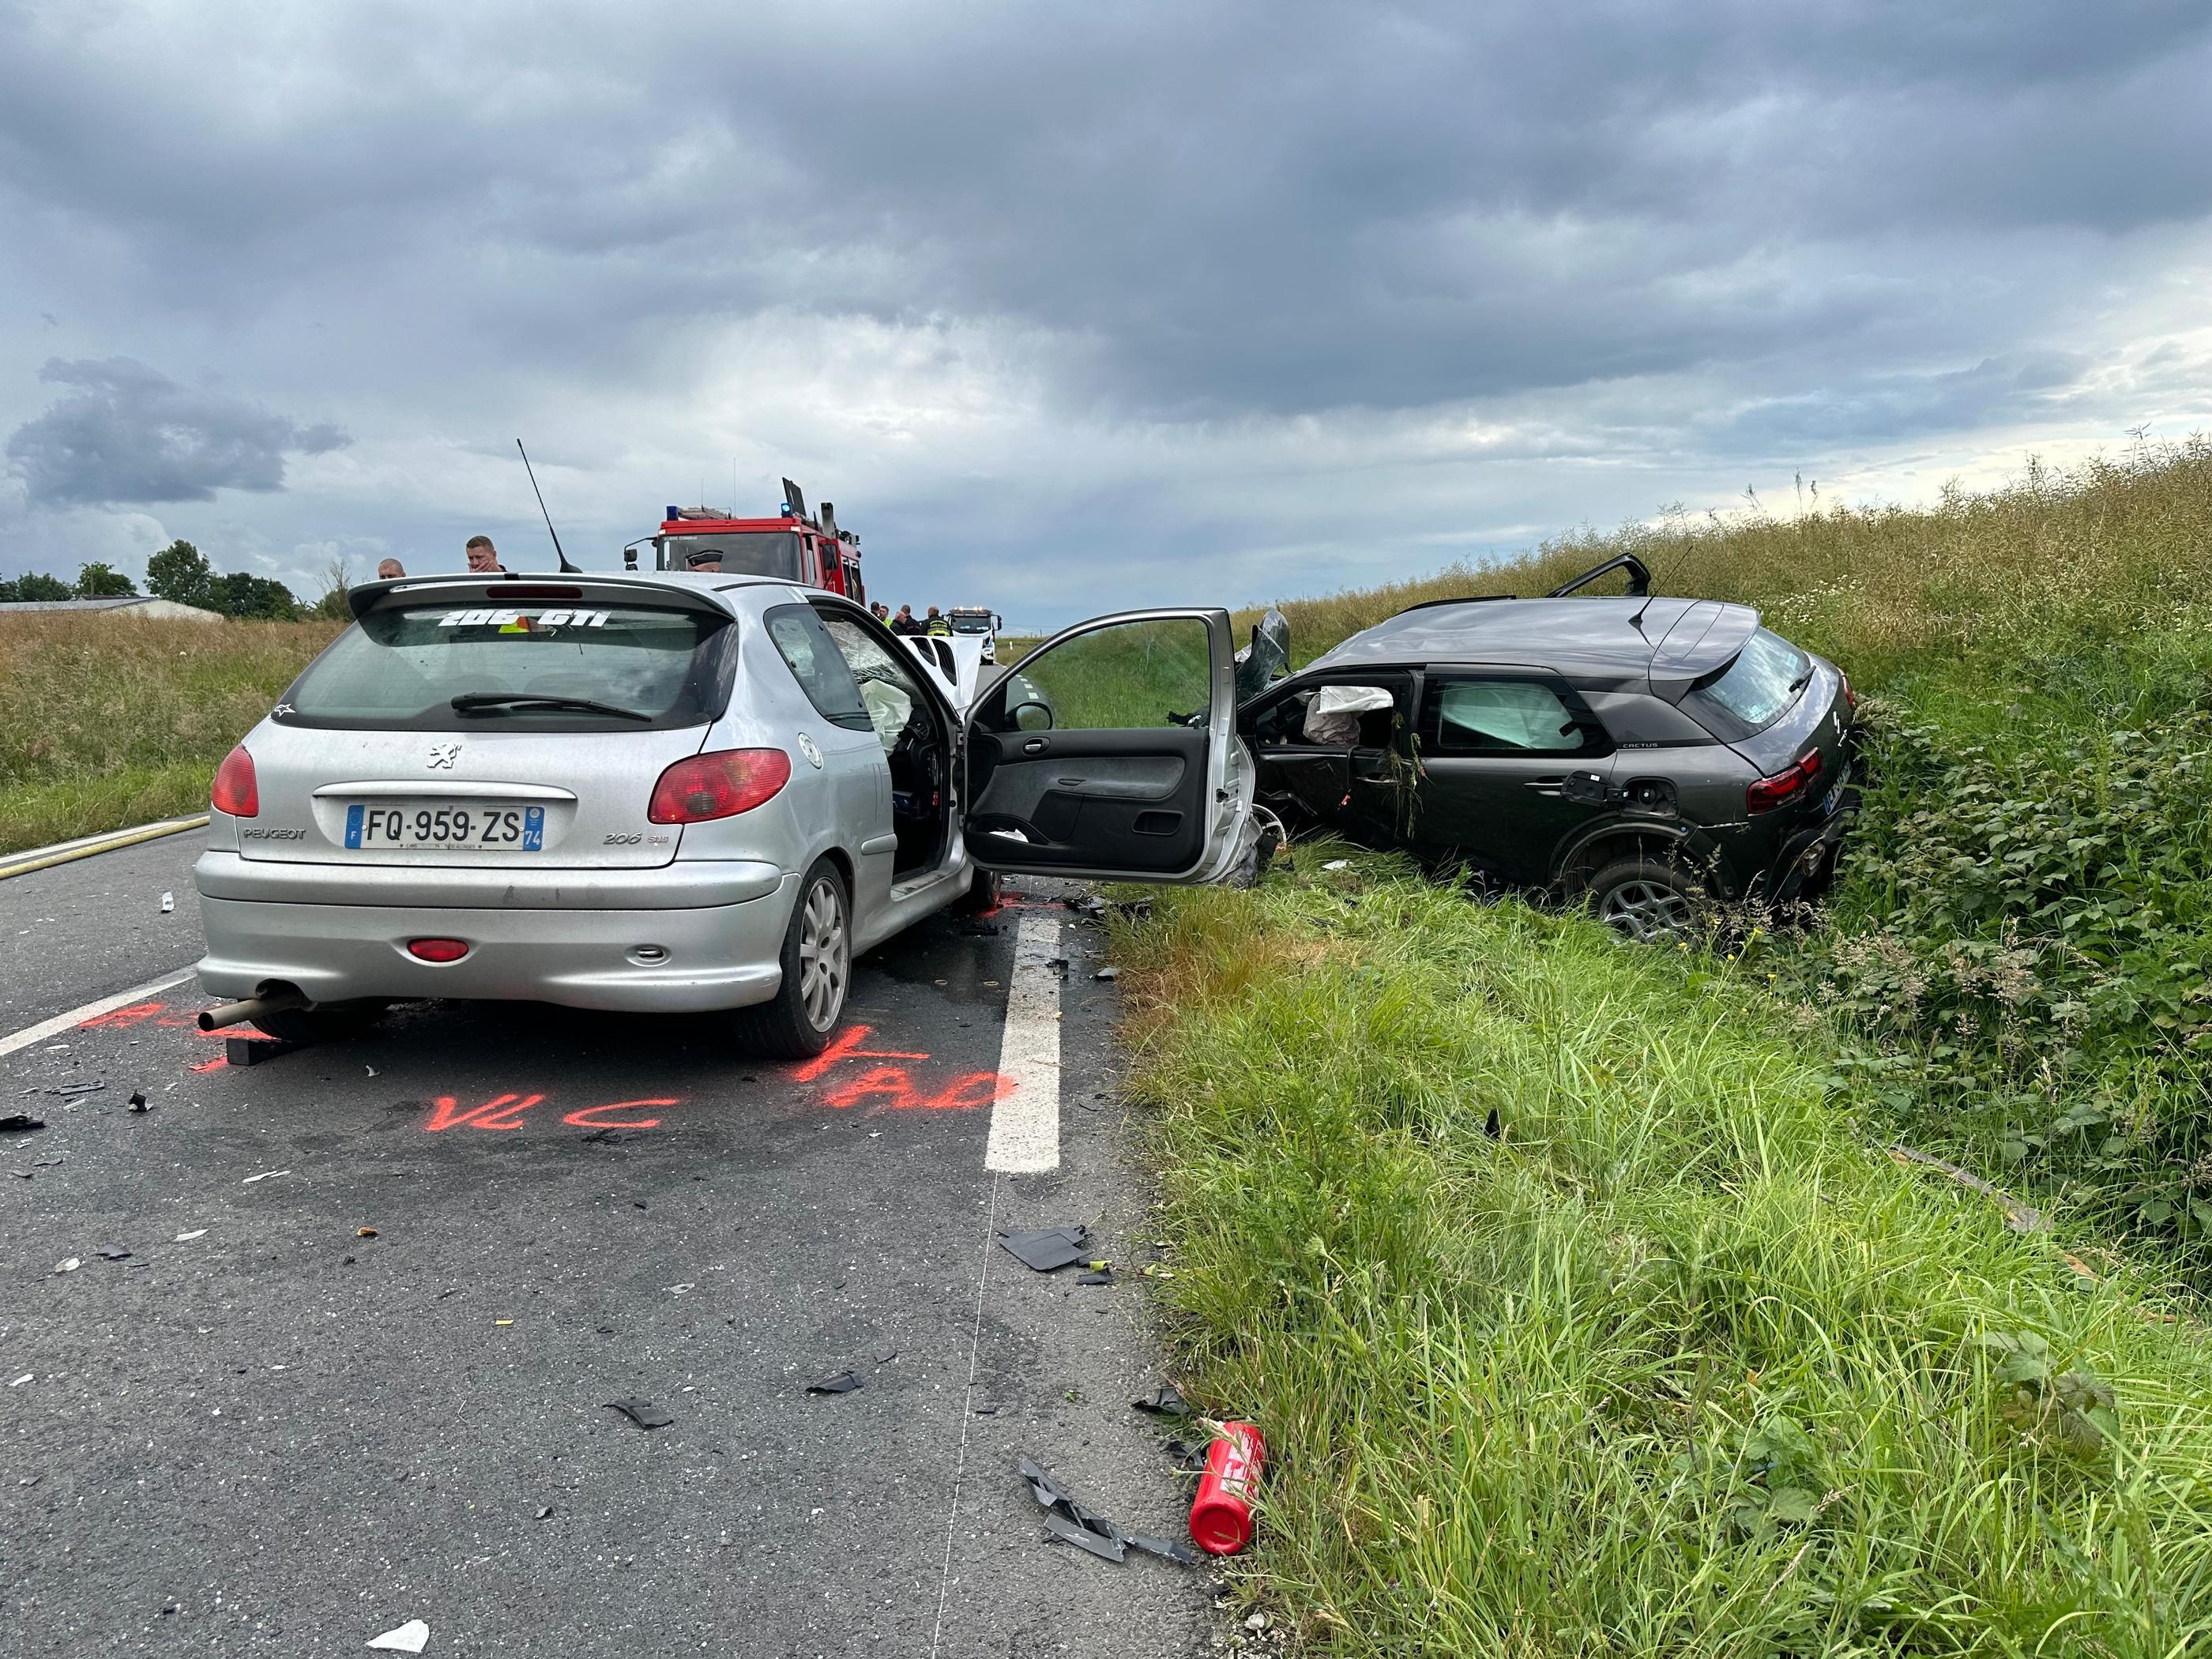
(823, 961)
(1647, 910)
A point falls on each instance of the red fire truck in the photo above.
(799, 547)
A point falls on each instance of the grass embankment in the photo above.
(1676, 1364)
(1545, 1395)
(105, 722)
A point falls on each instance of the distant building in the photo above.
(135, 605)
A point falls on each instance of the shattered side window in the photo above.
(1502, 717)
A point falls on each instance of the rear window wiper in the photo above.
(488, 702)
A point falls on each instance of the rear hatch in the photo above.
(369, 761)
(1770, 702)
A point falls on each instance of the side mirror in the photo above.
(1032, 717)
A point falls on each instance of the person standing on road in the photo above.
(483, 557)
(390, 570)
(904, 621)
(938, 626)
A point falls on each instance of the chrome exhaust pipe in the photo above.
(237, 1013)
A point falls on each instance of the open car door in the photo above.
(1110, 752)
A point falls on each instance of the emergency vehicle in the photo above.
(974, 619)
(793, 545)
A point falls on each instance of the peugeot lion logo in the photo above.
(444, 754)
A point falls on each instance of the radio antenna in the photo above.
(567, 570)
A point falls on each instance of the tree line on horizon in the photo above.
(179, 573)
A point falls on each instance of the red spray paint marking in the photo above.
(846, 1045)
(892, 1089)
(504, 1113)
(590, 1117)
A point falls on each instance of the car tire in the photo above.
(981, 896)
(327, 1022)
(1647, 901)
(817, 959)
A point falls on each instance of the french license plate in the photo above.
(408, 825)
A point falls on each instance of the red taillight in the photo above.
(438, 950)
(718, 786)
(1850, 697)
(1783, 787)
(236, 792)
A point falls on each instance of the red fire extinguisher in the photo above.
(1221, 1515)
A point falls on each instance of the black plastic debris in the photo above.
(1189, 1454)
(1164, 1401)
(1492, 1126)
(254, 1051)
(1168, 1549)
(138, 1100)
(987, 1411)
(20, 1123)
(1108, 972)
(69, 1090)
(843, 1382)
(1103, 1276)
(113, 1253)
(1058, 1529)
(643, 1412)
(1048, 1249)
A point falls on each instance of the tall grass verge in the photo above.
(1675, 1362)
(110, 721)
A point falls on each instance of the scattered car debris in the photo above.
(411, 1638)
(113, 1253)
(186, 1238)
(1338, 864)
(1493, 1126)
(21, 1380)
(371, 1069)
(70, 1090)
(1048, 1249)
(987, 1411)
(843, 1382)
(545, 1512)
(1067, 1521)
(169, 902)
(253, 1051)
(643, 1412)
(1108, 972)
(1165, 1400)
(364, 1232)
(20, 1123)
(1096, 1276)
(2019, 1218)
(1189, 1456)
(138, 1100)
(69, 1264)
(266, 1175)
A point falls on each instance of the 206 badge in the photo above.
(444, 754)
(806, 748)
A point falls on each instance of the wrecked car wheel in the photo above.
(818, 968)
(1644, 900)
(328, 1022)
(981, 896)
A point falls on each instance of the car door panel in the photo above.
(1501, 808)
(1078, 762)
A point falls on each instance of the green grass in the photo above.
(106, 722)
(1679, 1364)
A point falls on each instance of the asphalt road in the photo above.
(278, 1436)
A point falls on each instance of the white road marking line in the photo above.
(76, 1017)
(1025, 1120)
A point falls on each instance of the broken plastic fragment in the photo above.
(411, 1638)
(21, 1380)
(186, 1238)
(1048, 1249)
(266, 1175)
(545, 1512)
(1059, 1528)
(113, 1253)
(1108, 972)
(843, 1382)
(68, 1089)
(169, 902)
(1164, 1401)
(20, 1123)
(1096, 1276)
(364, 1232)
(69, 1265)
(643, 1412)
(1168, 1549)
(138, 1102)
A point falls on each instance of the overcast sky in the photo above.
(1072, 309)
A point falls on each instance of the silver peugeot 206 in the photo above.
(681, 793)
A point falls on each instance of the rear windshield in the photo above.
(1753, 691)
(755, 553)
(525, 667)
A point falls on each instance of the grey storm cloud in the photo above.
(124, 432)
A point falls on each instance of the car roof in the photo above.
(1604, 637)
(736, 592)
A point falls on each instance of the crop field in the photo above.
(111, 721)
(1575, 1280)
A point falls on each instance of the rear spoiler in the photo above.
(513, 589)
(1705, 638)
